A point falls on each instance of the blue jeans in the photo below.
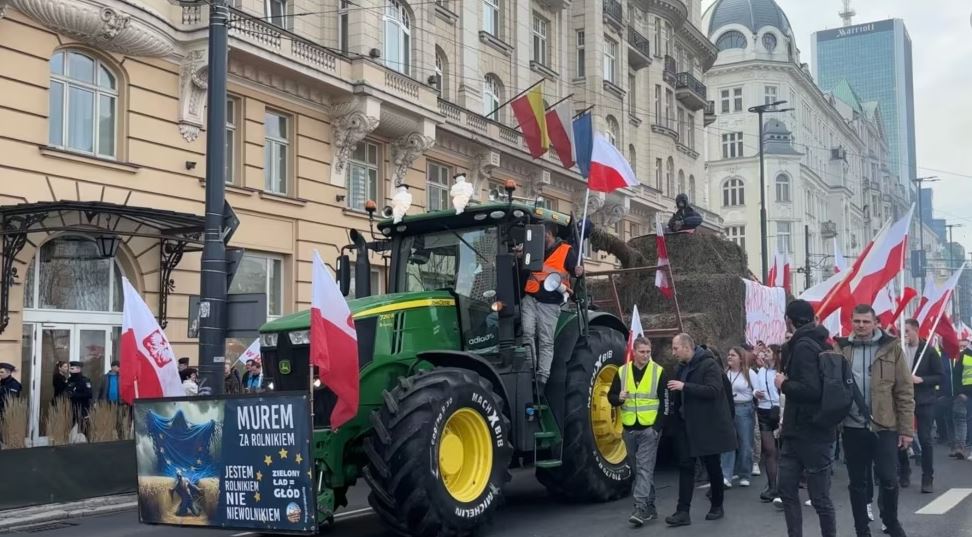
(740, 461)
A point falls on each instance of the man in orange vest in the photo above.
(541, 308)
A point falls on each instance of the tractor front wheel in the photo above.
(439, 454)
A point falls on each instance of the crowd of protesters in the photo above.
(762, 411)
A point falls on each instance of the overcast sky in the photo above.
(941, 35)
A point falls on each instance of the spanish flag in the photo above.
(528, 110)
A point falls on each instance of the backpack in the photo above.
(838, 391)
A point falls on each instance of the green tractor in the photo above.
(448, 391)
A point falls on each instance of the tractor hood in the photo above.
(367, 307)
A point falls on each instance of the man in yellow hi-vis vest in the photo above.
(639, 390)
(962, 409)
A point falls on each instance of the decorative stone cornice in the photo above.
(100, 26)
(349, 129)
(484, 163)
(405, 150)
(193, 83)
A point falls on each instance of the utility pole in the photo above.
(213, 288)
(951, 263)
(806, 256)
(921, 226)
(759, 111)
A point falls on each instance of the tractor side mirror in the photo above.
(533, 247)
(344, 274)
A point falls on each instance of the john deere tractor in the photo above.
(448, 393)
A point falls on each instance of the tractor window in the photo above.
(462, 261)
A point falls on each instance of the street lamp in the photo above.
(767, 108)
(921, 225)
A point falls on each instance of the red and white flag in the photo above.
(148, 366)
(609, 169)
(964, 331)
(251, 353)
(661, 273)
(881, 261)
(884, 304)
(779, 273)
(816, 296)
(635, 332)
(561, 132)
(935, 301)
(333, 342)
(840, 262)
(949, 336)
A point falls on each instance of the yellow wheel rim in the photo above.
(465, 455)
(606, 419)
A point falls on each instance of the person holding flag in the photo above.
(927, 374)
(639, 389)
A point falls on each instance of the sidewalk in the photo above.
(29, 516)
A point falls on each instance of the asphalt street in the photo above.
(530, 512)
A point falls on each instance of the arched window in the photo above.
(681, 182)
(730, 40)
(492, 92)
(769, 42)
(70, 274)
(633, 158)
(691, 191)
(733, 193)
(398, 32)
(83, 104)
(670, 178)
(441, 73)
(783, 188)
(613, 130)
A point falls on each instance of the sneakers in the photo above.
(808, 503)
(715, 514)
(637, 518)
(744, 482)
(870, 513)
(767, 495)
(927, 484)
(756, 470)
(778, 503)
(680, 518)
(726, 483)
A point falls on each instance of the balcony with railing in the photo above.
(638, 53)
(670, 71)
(612, 13)
(690, 91)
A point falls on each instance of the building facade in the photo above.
(875, 58)
(825, 156)
(331, 104)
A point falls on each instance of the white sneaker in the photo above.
(778, 503)
(726, 483)
(808, 503)
(969, 458)
(756, 470)
(870, 513)
(743, 482)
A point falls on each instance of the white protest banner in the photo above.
(251, 353)
(765, 311)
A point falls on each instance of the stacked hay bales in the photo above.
(707, 272)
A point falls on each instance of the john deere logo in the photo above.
(284, 367)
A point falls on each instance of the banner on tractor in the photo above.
(765, 310)
(238, 462)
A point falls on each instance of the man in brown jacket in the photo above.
(873, 435)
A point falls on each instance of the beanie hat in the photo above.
(800, 312)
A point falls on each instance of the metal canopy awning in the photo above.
(174, 231)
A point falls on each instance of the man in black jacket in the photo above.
(701, 422)
(927, 376)
(685, 218)
(808, 448)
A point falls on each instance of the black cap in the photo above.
(8, 366)
(184, 360)
(800, 312)
(75, 364)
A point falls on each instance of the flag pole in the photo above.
(932, 333)
(547, 109)
(582, 112)
(587, 200)
(515, 97)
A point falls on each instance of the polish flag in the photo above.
(816, 296)
(561, 132)
(661, 273)
(935, 302)
(251, 353)
(635, 332)
(779, 273)
(901, 302)
(884, 304)
(333, 342)
(148, 366)
(840, 262)
(881, 261)
(609, 169)
(949, 336)
(964, 331)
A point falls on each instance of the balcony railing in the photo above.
(639, 44)
(690, 91)
(668, 74)
(266, 35)
(612, 11)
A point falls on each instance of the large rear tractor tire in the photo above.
(439, 455)
(595, 462)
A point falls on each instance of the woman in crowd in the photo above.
(60, 380)
(768, 415)
(742, 378)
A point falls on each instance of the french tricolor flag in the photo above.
(610, 171)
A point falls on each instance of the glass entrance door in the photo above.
(92, 345)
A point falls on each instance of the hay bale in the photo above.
(697, 253)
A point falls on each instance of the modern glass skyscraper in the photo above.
(875, 58)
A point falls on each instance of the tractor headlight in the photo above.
(299, 337)
(268, 340)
